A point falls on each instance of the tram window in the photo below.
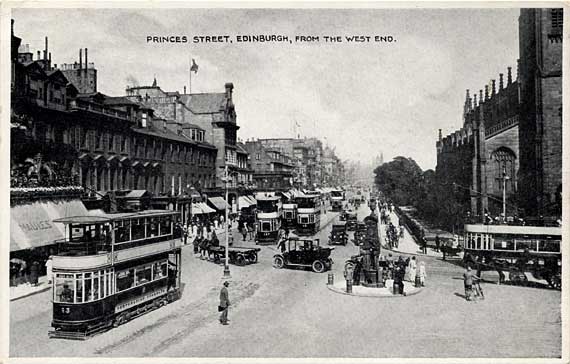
(288, 215)
(304, 220)
(159, 270)
(143, 274)
(138, 229)
(165, 225)
(549, 246)
(64, 287)
(96, 286)
(125, 279)
(88, 288)
(79, 290)
(122, 231)
(153, 227)
(265, 226)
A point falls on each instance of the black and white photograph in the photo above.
(284, 181)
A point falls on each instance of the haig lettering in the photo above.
(36, 225)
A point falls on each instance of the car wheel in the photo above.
(278, 262)
(318, 266)
(240, 260)
(253, 257)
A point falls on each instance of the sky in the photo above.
(363, 99)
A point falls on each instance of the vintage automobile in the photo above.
(351, 221)
(305, 253)
(338, 234)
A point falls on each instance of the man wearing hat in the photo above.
(224, 304)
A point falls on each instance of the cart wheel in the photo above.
(318, 266)
(240, 260)
(278, 262)
(253, 258)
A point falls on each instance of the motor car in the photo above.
(351, 221)
(338, 234)
(305, 253)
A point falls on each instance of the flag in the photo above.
(194, 66)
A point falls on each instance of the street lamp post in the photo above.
(226, 264)
(505, 178)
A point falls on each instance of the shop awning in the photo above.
(205, 208)
(31, 225)
(196, 209)
(252, 199)
(218, 202)
(244, 202)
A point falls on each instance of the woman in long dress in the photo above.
(412, 269)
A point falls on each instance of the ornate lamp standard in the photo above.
(226, 180)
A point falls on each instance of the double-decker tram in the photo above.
(516, 249)
(337, 200)
(308, 214)
(112, 268)
(268, 218)
(289, 218)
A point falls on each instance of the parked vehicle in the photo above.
(338, 234)
(305, 253)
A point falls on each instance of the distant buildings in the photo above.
(511, 138)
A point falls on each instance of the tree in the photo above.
(399, 180)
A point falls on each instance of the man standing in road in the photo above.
(224, 304)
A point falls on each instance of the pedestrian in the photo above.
(424, 245)
(49, 267)
(224, 304)
(34, 273)
(412, 270)
(422, 273)
(437, 242)
(468, 277)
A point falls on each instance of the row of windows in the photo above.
(512, 242)
(146, 273)
(83, 138)
(137, 229)
(83, 287)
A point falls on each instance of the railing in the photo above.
(89, 106)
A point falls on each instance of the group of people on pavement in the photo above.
(404, 269)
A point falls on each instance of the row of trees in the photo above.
(404, 182)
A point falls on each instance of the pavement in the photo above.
(380, 292)
(407, 244)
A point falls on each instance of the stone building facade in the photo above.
(272, 169)
(512, 134)
(540, 131)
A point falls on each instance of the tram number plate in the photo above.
(65, 310)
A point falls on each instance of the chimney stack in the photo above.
(509, 75)
(46, 50)
(229, 89)
(500, 81)
(80, 58)
(86, 61)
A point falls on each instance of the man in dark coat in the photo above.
(224, 304)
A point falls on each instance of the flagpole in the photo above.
(189, 75)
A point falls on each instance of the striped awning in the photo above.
(206, 209)
(218, 202)
(31, 225)
(244, 202)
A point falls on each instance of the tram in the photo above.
(517, 250)
(112, 268)
(289, 218)
(337, 200)
(268, 216)
(308, 215)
